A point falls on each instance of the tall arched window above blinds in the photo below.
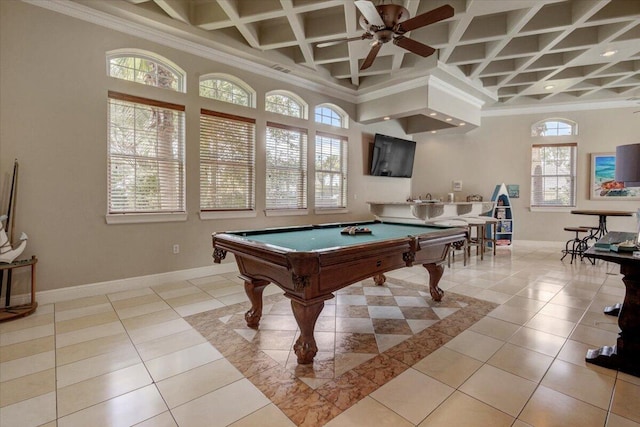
(227, 88)
(554, 127)
(286, 103)
(331, 115)
(145, 68)
(554, 164)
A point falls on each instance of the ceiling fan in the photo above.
(389, 22)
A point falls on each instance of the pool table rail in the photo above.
(309, 274)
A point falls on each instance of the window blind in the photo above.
(227, 158)
(286, 183)
(331, 171)
(146, 155)
(553, 175)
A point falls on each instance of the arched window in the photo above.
(554, 164)
(146, 141)
(146, 68)
(224, 87)
(286, 103)
(554, 127)
(331, 115)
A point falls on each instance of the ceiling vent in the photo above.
(281, 68)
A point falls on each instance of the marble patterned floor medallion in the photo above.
(366, 336)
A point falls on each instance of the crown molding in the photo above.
(557, 108)
(200, 48)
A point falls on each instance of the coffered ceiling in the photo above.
(507, 53)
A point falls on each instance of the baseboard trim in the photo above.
(102, 288)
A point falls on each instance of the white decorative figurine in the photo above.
(7, 253)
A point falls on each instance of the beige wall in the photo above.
(53, 110)
(53, 107)
(500, 151)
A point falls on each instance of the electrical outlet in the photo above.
(176, 249)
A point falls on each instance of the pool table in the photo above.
(311, 262)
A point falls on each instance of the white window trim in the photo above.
(550, 209)
(139, 218)
(557, 208)
(344, 149)
(182, 87)
(303, 104)
(205, 215)
(344, 117)
(328, 211)
(236, 81)
(286, 212)
(571, 123)
(154, 216)
(236, 119)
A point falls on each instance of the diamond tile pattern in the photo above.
(360, 326)
(370, 345)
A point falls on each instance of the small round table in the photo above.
(602, 218)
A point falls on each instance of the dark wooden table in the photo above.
(602, 218)
(10, 312)
(311, 262)
(625, 354)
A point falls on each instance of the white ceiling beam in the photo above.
(581, 12)
(177, 9)
(515, 22)
(297, 26)
(247, 30)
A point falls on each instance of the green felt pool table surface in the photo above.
(308, 239)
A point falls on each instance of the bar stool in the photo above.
(455, 246)
(593, 233)
(578, 246)
(491, 225)
(491, 229)
(475, 239)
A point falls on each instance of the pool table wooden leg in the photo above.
(254, 289)
(306, 316)
(379, 279)
(435, 273)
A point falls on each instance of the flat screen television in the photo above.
(392, 156)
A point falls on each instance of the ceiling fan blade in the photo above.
(414, 46)
(371, 56)
(351, 39)
(370, 12)
(435, 15)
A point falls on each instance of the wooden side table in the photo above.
(9, 312)
(624, 355)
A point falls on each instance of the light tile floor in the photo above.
(131, 358)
